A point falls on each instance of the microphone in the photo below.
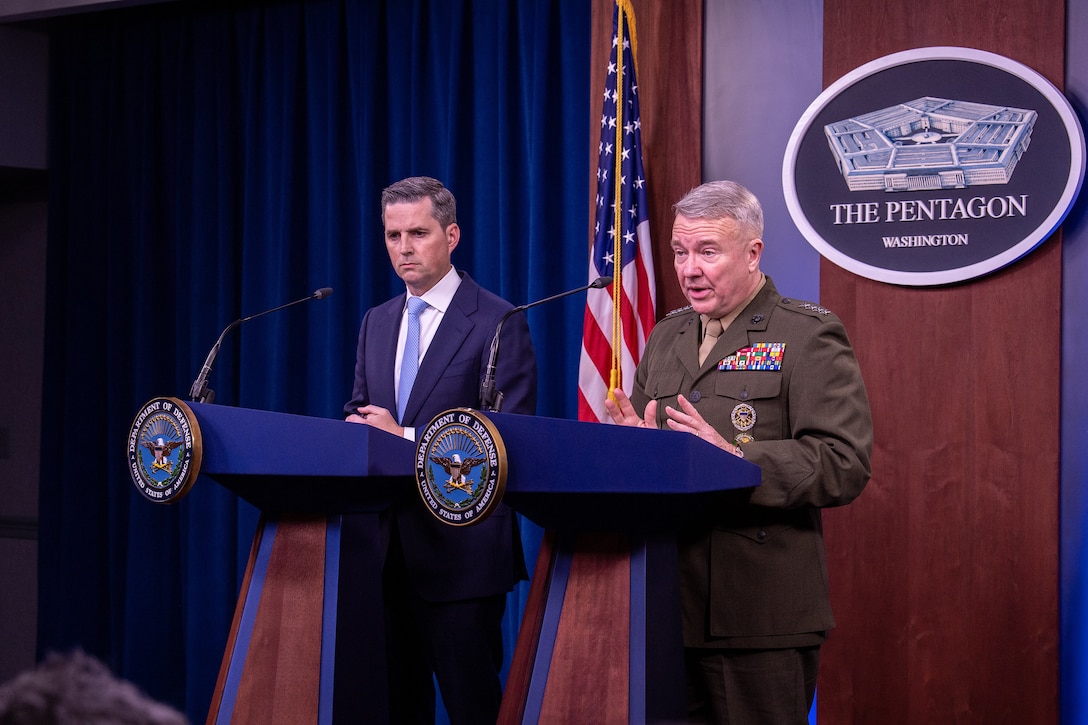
(491, 399)
(200, 392)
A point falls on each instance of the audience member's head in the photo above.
(77, 688)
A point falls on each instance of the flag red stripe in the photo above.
(597, 343)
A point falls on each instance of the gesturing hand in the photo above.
(689, 419)
(623, 413)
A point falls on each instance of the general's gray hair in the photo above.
(722, 200)
(417, 188)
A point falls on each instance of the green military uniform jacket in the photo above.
(753, 571)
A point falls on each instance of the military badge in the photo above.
(743, 416)
(164, 450)
(461, 467)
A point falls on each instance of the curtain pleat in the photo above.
(211, 161)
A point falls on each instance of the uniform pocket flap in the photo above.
(665, 385)
(748, 384)
(760, 534)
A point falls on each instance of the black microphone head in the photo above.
(600, 282)
(322, 293)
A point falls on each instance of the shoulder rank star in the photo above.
(814, 308)
(678, 310)
(808, 306)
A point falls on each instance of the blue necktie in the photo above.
(409, 365)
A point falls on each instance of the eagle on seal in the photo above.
(161, 450)
(458, 470)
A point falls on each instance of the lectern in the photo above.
(307, 641)
(601, 634)
(600, 640)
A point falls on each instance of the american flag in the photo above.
(618, 319)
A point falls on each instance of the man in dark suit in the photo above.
(445, 587)
(775, 381)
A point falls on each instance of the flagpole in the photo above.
(616, 376)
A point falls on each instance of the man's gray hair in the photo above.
(723, 200)
(417, 188)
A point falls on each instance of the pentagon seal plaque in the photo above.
(933, 166)
(461, 467)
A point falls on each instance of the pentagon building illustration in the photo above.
(930, 143)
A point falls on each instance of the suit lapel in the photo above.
(383, 340)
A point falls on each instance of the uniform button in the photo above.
(695, 396)
(744, 395)
(761, 535)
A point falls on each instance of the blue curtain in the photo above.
(208, 162)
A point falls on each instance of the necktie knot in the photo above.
(416, 305)
(713, 328)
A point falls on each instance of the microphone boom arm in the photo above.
(491, 399)
(200, 391)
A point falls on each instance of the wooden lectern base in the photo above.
(307, 646)
(597, 639)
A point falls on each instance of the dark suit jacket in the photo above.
(449, 563)
(754, 572)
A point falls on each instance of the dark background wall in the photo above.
(23, 72)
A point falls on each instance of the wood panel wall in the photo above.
(944, 574)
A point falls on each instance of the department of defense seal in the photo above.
(461, 467)
(164, 450)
